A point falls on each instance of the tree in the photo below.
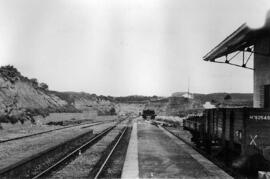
(112, 111)
(227, 97)
(44, 86)
(34, 82)
(10, 73)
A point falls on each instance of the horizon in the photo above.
(128, 94)
(126, 47)
(132, 94)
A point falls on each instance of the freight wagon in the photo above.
(235, 132)
(195, 125)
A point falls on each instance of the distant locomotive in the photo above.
(148, 113)
(235, 132)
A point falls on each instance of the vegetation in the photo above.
(227, 97)
(239, 99)
(112, 111)
(72, 121)
(135, 98)
(70, 97)
(10, 73)
(44, 86)
(106, 112)
(34, 82)
(28, 114)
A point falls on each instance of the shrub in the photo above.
(34, 82)
(227, 97)
(3, 119)
(10, 73)
(113, 111)
(44, 86)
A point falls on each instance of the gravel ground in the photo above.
(17, 130)
(14, 151)
(114, 166)
(81, 166)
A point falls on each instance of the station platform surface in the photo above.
(155, 153)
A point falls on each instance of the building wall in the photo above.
(261, 70)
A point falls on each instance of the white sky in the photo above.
(125, 47)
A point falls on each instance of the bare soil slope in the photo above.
(22, 98)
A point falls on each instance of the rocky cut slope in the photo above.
(22, 98)
(102, 105)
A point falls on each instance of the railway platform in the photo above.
(155, 153)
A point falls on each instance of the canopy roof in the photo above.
(241, 38)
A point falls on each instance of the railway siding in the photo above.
(84, 165)
(112, 164)
(48, 131)
(30, 166)
(14, 151)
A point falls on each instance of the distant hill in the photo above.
(178, 94)
(220, 96)
(236, 99)
(136, 99)
(177, 104)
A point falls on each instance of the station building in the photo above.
(246, 43)
(245, 131)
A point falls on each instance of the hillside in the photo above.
(179, 104)
(87, 102)
(135, 99)
(22, 98)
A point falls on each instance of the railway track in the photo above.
(43, 163)
(106, 155)
(72, 154)
(53, 130)
(104, 168)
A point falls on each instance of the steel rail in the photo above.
(59, 162)
(110, 154)
(52, 130)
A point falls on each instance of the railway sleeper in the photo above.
(31, 166)
(105, 153)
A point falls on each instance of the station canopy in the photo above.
(241, 40)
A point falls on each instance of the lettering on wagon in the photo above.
(252, 140)
(259, 117)
(238, 134)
